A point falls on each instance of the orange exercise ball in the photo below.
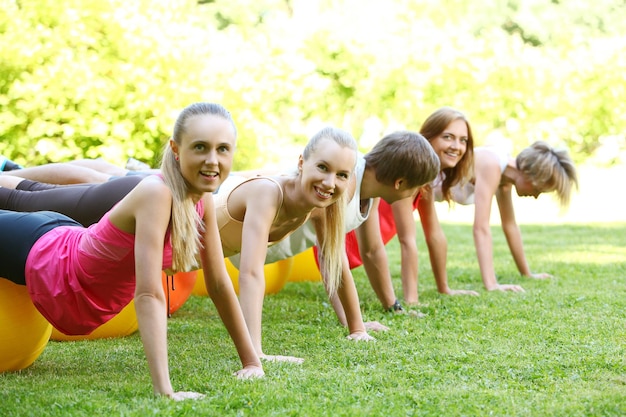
(123, 324)
(304, 267)
(180, 289)
(275, 276)
(24, 332)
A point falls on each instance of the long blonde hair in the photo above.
(332, 248)
(185, 234)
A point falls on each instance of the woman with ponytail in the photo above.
(79, 278)
(468, 176)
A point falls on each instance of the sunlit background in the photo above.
(107, 78)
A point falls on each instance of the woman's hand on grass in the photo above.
(281, 358)
(360, 336)
(250, 372)
(507, 287)
(375, 326)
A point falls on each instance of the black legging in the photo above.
(18, 234)
(85, 203)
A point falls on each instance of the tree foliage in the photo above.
(89, 79)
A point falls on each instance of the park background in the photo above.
(107, 79)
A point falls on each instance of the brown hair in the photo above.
(406, 155)
(185, 234)
(434, 126)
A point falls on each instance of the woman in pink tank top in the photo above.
(80, 277)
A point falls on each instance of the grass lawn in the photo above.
(559, 349)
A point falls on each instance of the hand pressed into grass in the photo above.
(360, 336)
(250, 372)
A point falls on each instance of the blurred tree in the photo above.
(88, 79)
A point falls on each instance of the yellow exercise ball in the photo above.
(275, 276)
(24, 332)
(304, 267)
(123, 324)
(199, 287)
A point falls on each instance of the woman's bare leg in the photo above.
(10, 181)
(61, 173)
(100, 165)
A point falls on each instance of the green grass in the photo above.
(558, 349)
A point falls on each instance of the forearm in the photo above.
(350, 301)
(514, 240)
(152, 322)
(484, 253)
(227, 305)
(409, 271)
(376, 267)
(438, 253)
(251, 294)
(341, 314)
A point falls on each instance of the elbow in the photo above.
(218, 287)
(436, 240)
(149, 296)
(373, 255)
(480, 231)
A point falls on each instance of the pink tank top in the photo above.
(79, 278)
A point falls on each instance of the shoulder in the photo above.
(258, 193)
(149, 202)
(263, 184)
(152, 188)
(151, 195)
(485, 159)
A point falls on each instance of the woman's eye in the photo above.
(322, 167)
(343, 175)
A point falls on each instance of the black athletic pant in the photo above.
(85, 203)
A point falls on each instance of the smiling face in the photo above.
(326, 173)
(451, 144)
(205, 152)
